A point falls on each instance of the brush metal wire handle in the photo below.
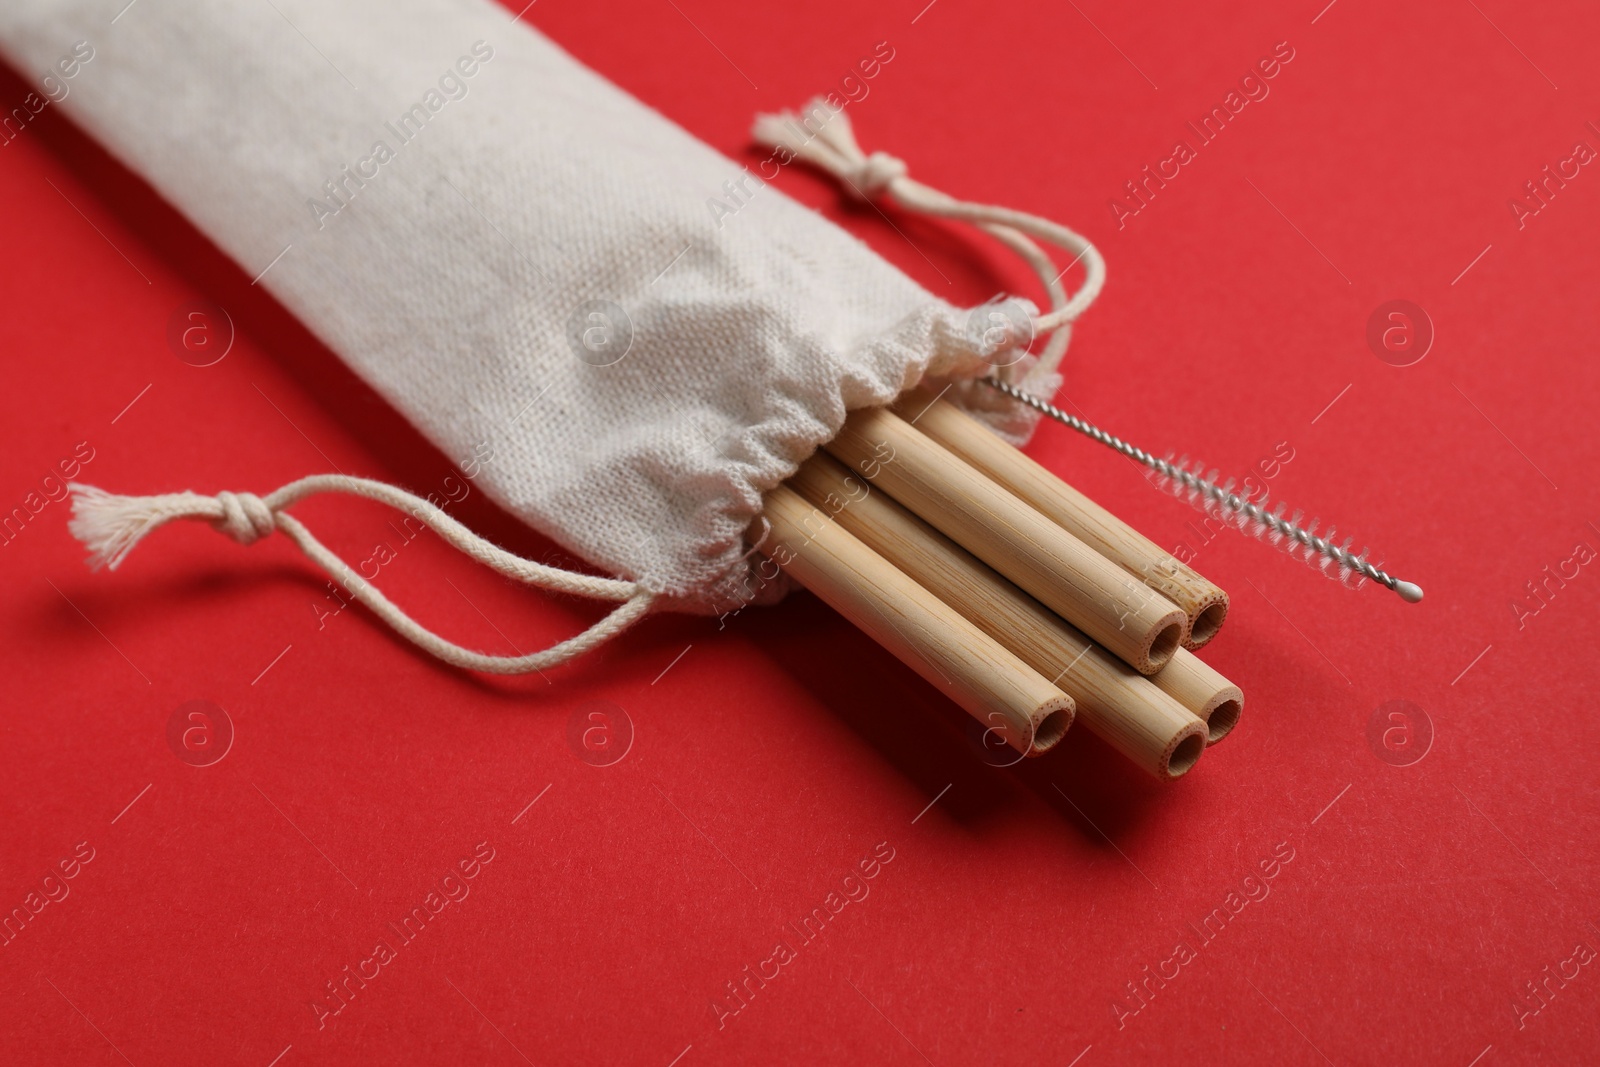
(1221, 501)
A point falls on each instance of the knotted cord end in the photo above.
(245, 517)
(822, 135)
(876, 173)
(111, 526)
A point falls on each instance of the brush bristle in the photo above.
(1190, 481)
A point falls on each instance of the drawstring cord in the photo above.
(112, 526)
(832, 147)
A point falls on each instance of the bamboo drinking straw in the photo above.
(921, 630)
(1203, 604)
(1202, 689)
(1123, 707)
(1136, 623)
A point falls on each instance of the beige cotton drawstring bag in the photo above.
(512, 250)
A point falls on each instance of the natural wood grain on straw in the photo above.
(1136, 623)
(1204, 605)
(923, 632)
(1126, 709)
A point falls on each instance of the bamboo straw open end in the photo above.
(1186, 753)
(1221, 719)
(1052, 728)
(1163, 643)
(1207, 623)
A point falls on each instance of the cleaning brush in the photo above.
(1190, 481)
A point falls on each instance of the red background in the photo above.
(772, 754)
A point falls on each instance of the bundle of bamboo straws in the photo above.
(1025, 601)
